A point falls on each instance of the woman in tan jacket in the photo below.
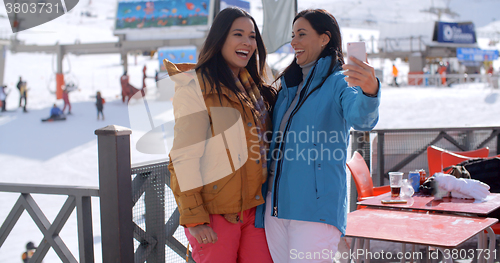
(217, 162)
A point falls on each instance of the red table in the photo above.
(448, 205)
(444, 231)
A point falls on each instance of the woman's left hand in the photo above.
(361, 74)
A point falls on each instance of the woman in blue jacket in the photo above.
(306, 206)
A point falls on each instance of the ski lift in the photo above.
(70, 79)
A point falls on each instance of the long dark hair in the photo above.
(323, 23)
(212, 65)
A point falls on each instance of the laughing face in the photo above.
(306, 42)
(240, 44)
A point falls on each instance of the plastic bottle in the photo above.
(407, 189)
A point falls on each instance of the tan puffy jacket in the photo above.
(215, 163)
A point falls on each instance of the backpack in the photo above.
(103, 101)
(458, 171)
(26, 256)
(484, 170)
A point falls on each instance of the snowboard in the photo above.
(54, 119)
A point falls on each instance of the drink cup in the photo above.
(396, 179)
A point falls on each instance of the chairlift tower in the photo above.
(439, 11)
(122, 47)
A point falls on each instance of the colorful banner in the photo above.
(185, 54)
(476, 54)
(458, 33)
(161, 13)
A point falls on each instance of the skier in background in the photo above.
(30, 250)
(144, 77)
(395, 75)
(99, 105)
(69, 88)
(55, 112)
(3, 97)
(24, 94)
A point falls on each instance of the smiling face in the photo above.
(240, 44)
(306, 42)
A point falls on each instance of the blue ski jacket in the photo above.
(310, 174)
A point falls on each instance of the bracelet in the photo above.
(370, 95)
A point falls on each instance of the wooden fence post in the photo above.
(113, 146)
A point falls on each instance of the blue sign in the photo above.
(476, 54)
(176, 55)
(245, 5)
(285, 49)
(458, 33)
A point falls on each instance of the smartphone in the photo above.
(357, 50)
(394, 201)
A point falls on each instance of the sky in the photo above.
(481, 12)
(65, 153)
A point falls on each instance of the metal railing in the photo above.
(406, 149)
(155, 215)
(449, 79)
(78, 197)
(136, 204)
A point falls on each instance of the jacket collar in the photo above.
(183, 74)
(294, 76)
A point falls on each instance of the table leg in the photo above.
(358, 245)
(446, 260)
(403, 251)
(412, 252)
(492, 245)
(366, 247)
(481, 245)
(353, 248)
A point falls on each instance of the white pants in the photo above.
(293, 241)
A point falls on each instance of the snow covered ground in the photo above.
(65, 153)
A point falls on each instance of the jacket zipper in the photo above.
(277, 173)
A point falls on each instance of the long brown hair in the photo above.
(212, 65)
(323, 23)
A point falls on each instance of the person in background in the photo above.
(306, 203)
(395, 75)
(99, 103)
(55, 112)
(19, 83)
(30, 250)
(490, 70)
(144, 77)
(217, 200)
(157, 78)
(70, 87)
(442, 71)
(3, 97)
(24, 95)
(127, 89)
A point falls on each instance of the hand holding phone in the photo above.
(357, 50)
